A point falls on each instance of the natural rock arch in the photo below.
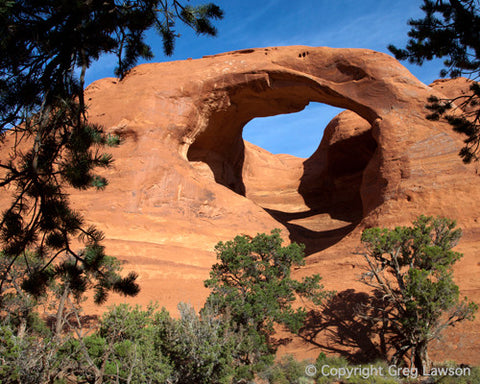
(266, 82)
(220, 142)
(196, 109)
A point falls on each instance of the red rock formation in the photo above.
(185, 179)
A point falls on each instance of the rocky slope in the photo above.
(184, 179)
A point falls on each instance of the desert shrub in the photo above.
(200, 348)
(136, 345)
(9, 354)
(287, 370)
(29, 358)
(126, 347)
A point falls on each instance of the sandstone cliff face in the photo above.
(184, 179)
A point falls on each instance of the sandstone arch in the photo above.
(196, 109)
(219, 141)
(275, 81)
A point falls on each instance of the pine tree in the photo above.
(410, 269)
(252, 288)
(47, 46)
(450, 30)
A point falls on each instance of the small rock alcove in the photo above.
(317, 199)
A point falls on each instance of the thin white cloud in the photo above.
(298, 134)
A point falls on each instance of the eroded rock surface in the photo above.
(184, 179)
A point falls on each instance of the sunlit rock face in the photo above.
(185, 179)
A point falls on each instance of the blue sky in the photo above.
(369, 24)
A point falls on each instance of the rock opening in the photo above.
(318, 199)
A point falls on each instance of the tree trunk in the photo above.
(421, 360)
(60, 320)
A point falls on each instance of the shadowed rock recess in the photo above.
(185, 179)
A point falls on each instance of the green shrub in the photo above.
(287, 371)
(200, 348)
(10, 353)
